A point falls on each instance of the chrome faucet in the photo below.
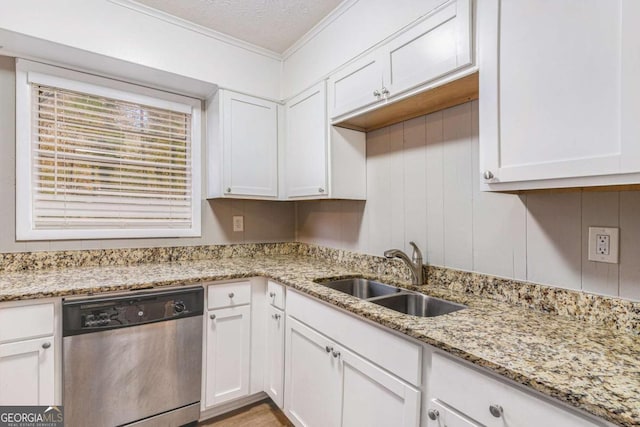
(415, 263)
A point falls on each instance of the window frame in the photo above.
(28, 72)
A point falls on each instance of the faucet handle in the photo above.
(417, 254)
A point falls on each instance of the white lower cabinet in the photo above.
(328, 385)
(274, 364)
(27, 372)
(228, 354)
(373, 397)
(312, 379)
(473, 395)
(29, 369)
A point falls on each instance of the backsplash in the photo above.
(25, 261)
(615, 313)
(423, 185)
(612, 312)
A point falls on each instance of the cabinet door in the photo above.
(250, 145)
(306, 143)
(357, 85)
(228, 354)
(559, 90)
(27, 372)
(274, 372)
(438, 45)
(373, 397)
(312, 379)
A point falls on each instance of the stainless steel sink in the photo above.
(361, 288)
(418, 304)
(392, 297)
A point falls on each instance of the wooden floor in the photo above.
(260, 414)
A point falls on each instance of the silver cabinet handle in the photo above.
(46, 345)
(231, 295)
(320, 190)
(276, 316)
(496, 410)
(433, 414)
(487, 175)
(376, 93)
(228, 189)
(212, 316)
(385, 91)
(328, 349)
(335, 354)
(272, 294)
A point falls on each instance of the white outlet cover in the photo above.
(613, 233)
(238, 223)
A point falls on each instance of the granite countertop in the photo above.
(590, 367)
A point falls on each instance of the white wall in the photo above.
(422, 185)
(109, 29)
(264, 221)
(362, 25)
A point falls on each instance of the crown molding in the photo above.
(188, 25)
(319, 27)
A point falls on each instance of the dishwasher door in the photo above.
(122, 376)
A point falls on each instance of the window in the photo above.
(98, 158)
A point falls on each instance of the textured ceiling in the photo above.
(272, 24)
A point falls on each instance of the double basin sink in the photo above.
(394, 298)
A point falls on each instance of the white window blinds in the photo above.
(109, 166)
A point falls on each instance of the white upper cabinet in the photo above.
(439, 45)
(306, 143)
(420, 57)
(243, 146)
(559, 93)
(322, 161)
(357, 85)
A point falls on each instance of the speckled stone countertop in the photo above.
(590, 367)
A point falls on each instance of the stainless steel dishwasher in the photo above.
(133, 358)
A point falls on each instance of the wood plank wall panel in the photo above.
(458, 188)
(630, 245)
(434, 188)
(414, 157)
(538, 237)
(599, 209)
(554, 239)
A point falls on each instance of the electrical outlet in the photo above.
(603, 244)
(238, 223)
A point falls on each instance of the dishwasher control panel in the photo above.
(102, 313)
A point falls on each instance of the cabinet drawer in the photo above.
(275, 294)
(473, 393)
(229, 294)
(27, 321)
(445, 417)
